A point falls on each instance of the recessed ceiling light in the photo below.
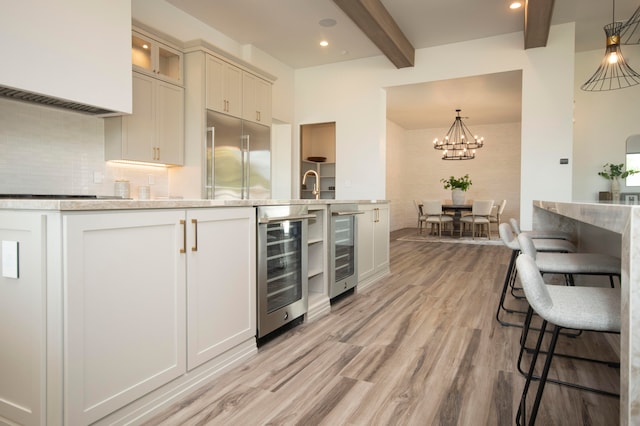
(327, 22)
(324, 43)
(515, 5)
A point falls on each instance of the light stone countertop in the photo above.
(115, 204)
(624, 220)
(607, 215)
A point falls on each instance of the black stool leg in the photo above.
(545, 372)
(521, 416)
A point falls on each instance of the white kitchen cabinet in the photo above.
(154, 133)
(23, 320)
(156, 58)
(115, 313)
(125, 319)
(150, 295)
(373, 243)
(223, 87)
(256, 95)
(221, 281)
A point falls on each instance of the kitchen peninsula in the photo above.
(613, 229)
(118, 307)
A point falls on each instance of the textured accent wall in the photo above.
(414, 169)
(49, 151)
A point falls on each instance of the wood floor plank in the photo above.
(420, 347)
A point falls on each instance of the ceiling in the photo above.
(290, 31)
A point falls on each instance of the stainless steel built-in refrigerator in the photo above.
(238, 158)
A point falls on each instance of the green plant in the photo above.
(612, 171)
(462, 183)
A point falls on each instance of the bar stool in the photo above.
(578, 308)
(570, 264)
(552, 234)
(541, 245)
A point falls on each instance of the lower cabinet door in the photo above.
(23, 319)
(366, 259)
(124, 291)
(221, 281)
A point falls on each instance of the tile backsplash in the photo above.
(50, 151)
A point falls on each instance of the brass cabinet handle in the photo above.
(158, 154)
(184, 236)
(377, 215)
(195, 229)
(258, 116)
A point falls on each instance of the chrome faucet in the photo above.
(316, 190)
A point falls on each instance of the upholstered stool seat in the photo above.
(577, 263)
(570, 264)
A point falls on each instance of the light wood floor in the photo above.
(421, 347)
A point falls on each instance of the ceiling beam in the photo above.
(376, 22)
(537, 20)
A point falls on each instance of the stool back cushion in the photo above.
(527, 246)
(506, 234)
(515, 225)
(534, 287)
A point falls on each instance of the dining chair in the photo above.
(496, 213)
(432, 209)
(479, 217)
(421, 217)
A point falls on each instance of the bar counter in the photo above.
(613, 229)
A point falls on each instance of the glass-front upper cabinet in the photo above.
(155, 58)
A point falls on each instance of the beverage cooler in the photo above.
(343, 248)
(282, 266)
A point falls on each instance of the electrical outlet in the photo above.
(152, 180)
(98, 177)
(10, 259)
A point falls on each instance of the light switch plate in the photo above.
(10, 258)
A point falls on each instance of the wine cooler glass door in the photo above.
(284, 264)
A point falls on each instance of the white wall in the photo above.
(603, 121)
(352, 94)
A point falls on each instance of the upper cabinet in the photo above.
(154, 132)
(155, 58)
(223, 87)
(256, 96)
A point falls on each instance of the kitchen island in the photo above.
(613, 229)
(115, 308)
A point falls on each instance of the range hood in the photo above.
(35, 98)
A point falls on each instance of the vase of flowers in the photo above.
(458, 187)
(615, 172)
